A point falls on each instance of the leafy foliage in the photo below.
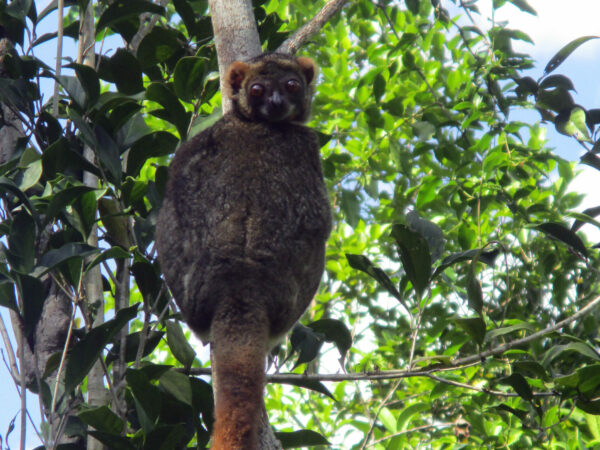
(454, 251)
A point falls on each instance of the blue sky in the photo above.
(555, 26)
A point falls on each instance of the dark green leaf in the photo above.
(132, 344)
(59, 158)
(523, 6)
(573, 123)
(351, 207)
(521, 414)
(178, 343)
(127, 72)
(159, 143)
(55, 257)
(301, 438)
(90, 83)
(158, 46)
(33, 295)
(313, 385)
(306, 342)
(178, 385)
(502, 331)
(563, 234)
(113, 442)
(102, 419)
(415, 256)
(588, 406)
(121, 10)
(564, 52)
(108, 153)
(8, 186)
(474, 326)
(362, 263)
(21, 243)
(591, 160)
(574, 347)
(147, 398)
(86, 352)
(175, 112)
(485, 257)
(474, 293)
(557, 100)
(554, 81)
(379, 85)
(520, 385)
(189, 77)
(7, 294)
(430, 231)
(62, 199)
(334, 331)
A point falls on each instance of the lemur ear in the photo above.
(235, 75)
(309, 68)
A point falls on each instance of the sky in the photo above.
(558, 22)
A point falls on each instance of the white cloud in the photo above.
(556, 24)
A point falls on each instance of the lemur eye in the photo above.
(257, 90)
(292, 85)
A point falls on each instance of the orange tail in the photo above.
(238, 352)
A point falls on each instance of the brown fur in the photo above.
(241, 234)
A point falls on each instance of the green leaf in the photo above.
(557, 100)
(109, 154)
(159, 143)
(564, 52)
(7, 186)
(32, 294)
(121, 10)
(147, 398)
(351, 207)
(487, 257)
(127, 72)
(334, 331)
(90, 83)
(62, 199)
(573, 123)
(111, 253)
(523, 6)
(520, 385)
(565, 235)
(60, 158)
(415, 256)
(158, 46)
(21, 243)
(102, 419)
(313, 385)
(132, 345)
(409, 412)
(300, 438)
(554, 81)
(175, 112)
(574, 347)
(7, 294)
(178, 385)
(379, 86)
(178, 343)
(474, 326)
(189, 75)
(362, 263)
(86, 352)
(588, 406)
(306, 342)
(502, 331)
(53, 258)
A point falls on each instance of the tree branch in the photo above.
(428, 372)
(300, 37)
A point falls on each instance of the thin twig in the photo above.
(381, 406)
(59, 42)
(13, 368)
(300, 37)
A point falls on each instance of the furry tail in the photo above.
(238, 352)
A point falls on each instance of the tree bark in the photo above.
(236, 35)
